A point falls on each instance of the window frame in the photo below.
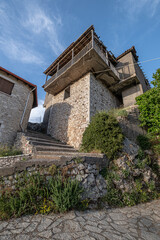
(67, 93)
(3, 90)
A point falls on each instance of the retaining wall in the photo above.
(85, 170)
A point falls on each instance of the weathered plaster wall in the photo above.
(141, 77)
(68, 118)
(128, 69)
(100, 97)
(129, 95)
(11, 109)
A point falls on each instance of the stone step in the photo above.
(56, 152)
(50, 144)
(45, 157)
(38, 135)
(54, 149)
(37, 139)
(52, 155)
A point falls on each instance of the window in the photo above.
(67, 93)
(6, 86)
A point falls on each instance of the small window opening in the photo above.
(6, 86)
(67, 93)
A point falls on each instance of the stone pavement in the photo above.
(139, 222)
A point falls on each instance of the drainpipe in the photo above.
(21, 122)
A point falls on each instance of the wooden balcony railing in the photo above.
(91, 45)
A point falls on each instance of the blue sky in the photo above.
(34, 32)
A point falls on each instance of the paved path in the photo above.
(140, 222)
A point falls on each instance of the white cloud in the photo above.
(37, 113)
(18, 51)
(133, 8)
(24, 26)
(12, 41)
(154, 5)
(40, 23)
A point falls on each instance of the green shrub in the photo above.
(33, 194)
(143, 142)
(118, 112)
(155, 142)
(9, 151)
(140, 191)
(149, 106)
(27, 197)
(113, 196)
(104, 134)
(65, 193)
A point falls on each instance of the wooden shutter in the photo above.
(6, 86)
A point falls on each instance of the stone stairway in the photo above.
(48, 148)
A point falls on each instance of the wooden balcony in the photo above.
(73, 64)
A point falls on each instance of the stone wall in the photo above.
(10, 161)
(68, 118)
(85, 170)
(11, 109)
(100, 97)
(22, 143)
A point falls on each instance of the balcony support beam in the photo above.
(57, 69)
(92, 38)
(72, 54)
(46, 77)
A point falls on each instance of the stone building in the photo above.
(17, 98)
(87, 78)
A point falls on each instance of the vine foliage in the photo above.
(149, 106)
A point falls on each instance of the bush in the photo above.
(27, 197)
(149, 106)
(118, 112)
(65, 193)
(155, 142)
(139, 192)
(33, 194)
(104, 134)
(143, 142)
(9, 151)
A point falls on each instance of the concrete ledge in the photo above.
(16, 156)
(23, 165)
(11, 160)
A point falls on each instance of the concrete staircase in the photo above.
(48, 148)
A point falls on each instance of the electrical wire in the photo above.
(131, 64)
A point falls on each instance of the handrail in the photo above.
(78, 56)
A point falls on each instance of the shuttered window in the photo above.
(6, 86)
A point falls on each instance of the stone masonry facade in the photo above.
(12, 108)
(101, 98)
(93, 80)
(69, 118)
